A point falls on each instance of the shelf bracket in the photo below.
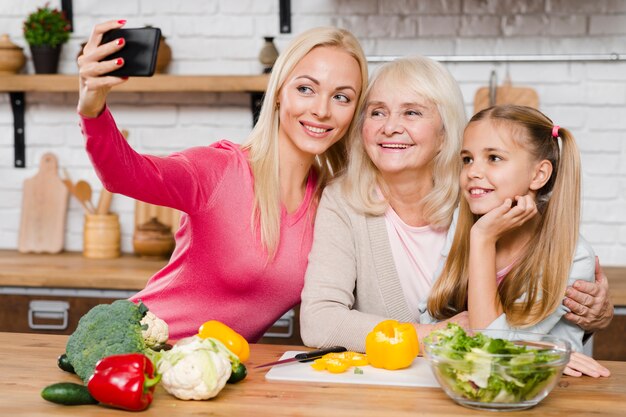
(256, 101)
(284, 14)
(66, 6)
(18, 105)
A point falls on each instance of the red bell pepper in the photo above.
(124, 381)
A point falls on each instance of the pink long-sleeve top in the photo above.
(219, 269)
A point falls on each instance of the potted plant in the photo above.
(46, 30)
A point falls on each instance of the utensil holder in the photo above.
(101, 236)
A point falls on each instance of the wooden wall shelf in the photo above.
(18, 85)
(160, 83)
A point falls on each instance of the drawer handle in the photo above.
(45, 309)
(285, 321)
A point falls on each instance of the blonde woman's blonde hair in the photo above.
(433, 82)
(262, 144)
(543, 269)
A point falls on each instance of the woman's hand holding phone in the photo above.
(94, 85)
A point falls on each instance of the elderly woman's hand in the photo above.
(589, 302)
(93, 86)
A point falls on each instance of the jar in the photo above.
(12, 57)
(101, 236)
(164, 56)
(153, 239)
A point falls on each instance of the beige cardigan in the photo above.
(335, 310)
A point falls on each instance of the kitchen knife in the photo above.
(305, 356)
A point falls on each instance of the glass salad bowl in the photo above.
(496, 369)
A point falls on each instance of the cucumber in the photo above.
(67, 393)
(238, 373)
(64, 363)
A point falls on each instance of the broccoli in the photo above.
(106, 329)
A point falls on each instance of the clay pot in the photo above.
(12, 57)
(164, 56)
(153, 239)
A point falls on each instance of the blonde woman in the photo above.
(247, 226)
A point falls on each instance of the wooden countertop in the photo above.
(72, 270)
(28, 364)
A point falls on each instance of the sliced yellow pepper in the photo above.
(339, 362)
(235, 342)
(392, 345)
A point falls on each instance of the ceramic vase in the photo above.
(268, 54)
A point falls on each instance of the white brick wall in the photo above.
(225, 36)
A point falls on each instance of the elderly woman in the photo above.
(381, 228)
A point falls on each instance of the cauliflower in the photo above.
(194, 369)
(154, 330)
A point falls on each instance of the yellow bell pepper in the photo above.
(339, 362)
(235, 342)
(392, 345)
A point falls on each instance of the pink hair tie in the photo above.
(555, 131)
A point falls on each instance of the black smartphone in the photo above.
(141, 46)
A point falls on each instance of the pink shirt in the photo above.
(501, 274)
(219, 269)
(416, 253)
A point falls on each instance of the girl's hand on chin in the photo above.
(506, 217)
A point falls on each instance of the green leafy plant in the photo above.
(46, 26)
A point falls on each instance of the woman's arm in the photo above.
(589, 302)
(327, 316)
(183, 180)
(173, 181)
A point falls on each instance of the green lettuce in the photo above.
(485, 369)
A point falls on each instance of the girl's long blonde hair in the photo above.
(433, 82)
(543, 269)
(262, 144)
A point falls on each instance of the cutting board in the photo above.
(44, 209)
(417, 375)
(506, 94)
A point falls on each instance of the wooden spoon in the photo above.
(83, 193)
(72, 189)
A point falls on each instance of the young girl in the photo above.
(247, 228)
(516, 246)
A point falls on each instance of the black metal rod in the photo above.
(19, 143)
(284, 10)
(66, 6)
